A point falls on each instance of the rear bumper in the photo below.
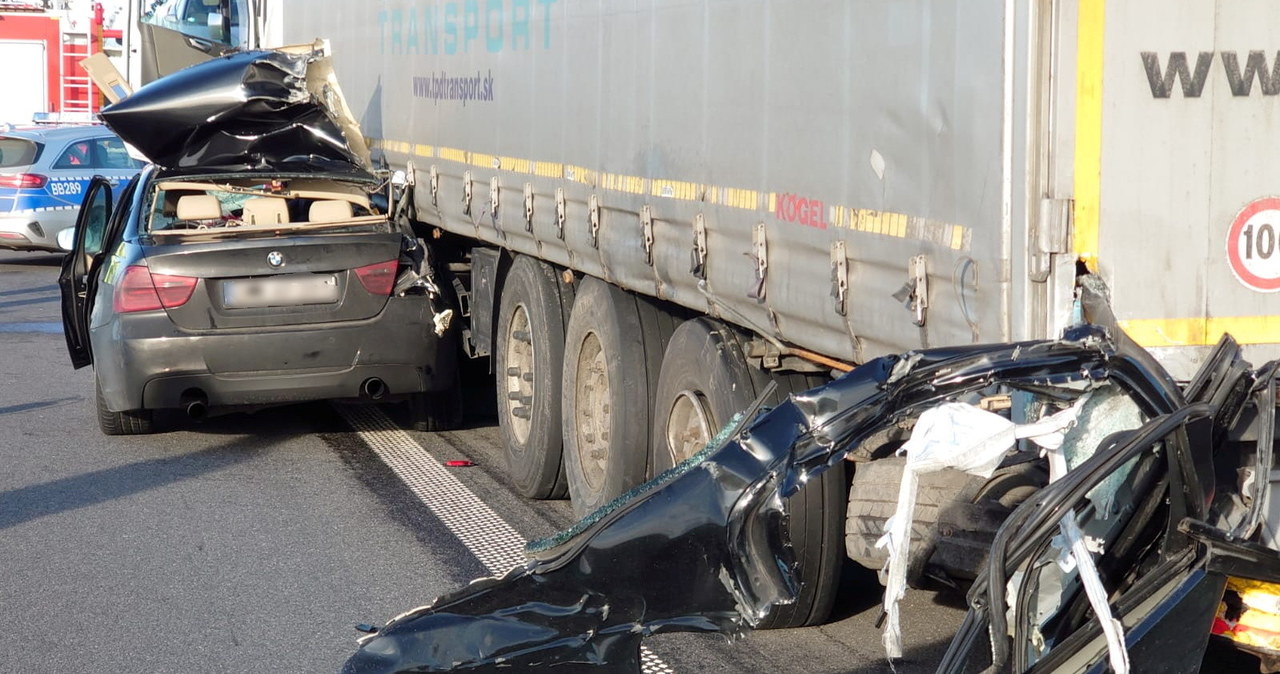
(26, 231)
(264, 389)
(144, 362)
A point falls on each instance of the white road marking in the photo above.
(494, 542)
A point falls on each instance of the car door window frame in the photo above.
(1175, 548)
(79, 267)
(1026, 530)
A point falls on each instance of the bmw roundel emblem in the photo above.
(275, 258)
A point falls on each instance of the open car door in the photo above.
(80, 266)
(1140, 510)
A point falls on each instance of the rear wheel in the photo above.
(132, 422)
(613, 351)
(529, 357)
(705, 380)
(434, 411)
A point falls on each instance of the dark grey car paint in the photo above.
(153, 359)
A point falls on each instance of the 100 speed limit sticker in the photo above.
(1253, 245)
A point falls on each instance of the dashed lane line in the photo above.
(493, 541)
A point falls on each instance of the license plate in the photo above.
(281, 291)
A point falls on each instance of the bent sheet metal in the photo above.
(704, 547)
(248, 111)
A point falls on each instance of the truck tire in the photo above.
(528, 362)
(613, 347)
(705, 380)
(131, 422)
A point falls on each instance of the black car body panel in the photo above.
(1182, 536)
(590, 594)
(269, 110)
(219, 264)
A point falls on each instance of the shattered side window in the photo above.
(219, 21)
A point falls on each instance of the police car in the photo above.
(44, 173)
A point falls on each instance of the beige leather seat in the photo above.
(198, 207)
(329, 210)
(265, 211)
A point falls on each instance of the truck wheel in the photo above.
(705, 380)
(132, 422)
(528, 360)
(613, 348)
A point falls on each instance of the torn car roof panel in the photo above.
(279, 110)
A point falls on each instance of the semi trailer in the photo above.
(648, 211)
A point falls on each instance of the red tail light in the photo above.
(378, 278)
(23, 181)
(140, 290)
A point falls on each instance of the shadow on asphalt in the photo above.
(273, 421)
(51, 288)
(31, 260)
(858, 591)
(28, 301)
(39, 405)
(923, 658)
(50, 498)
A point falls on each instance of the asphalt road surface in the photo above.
(255, 543)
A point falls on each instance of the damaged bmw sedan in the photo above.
(255, 261)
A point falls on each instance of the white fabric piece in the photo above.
(951, 435)
(1117, 653)
(441, 321)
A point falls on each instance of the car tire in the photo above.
(613, 352)
(705, 380)
(528, 365)
(435, 411)
(954, 522)
(131, 422)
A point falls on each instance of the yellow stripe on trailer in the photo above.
(1088, 150)
(1159, 332)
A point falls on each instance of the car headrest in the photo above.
(330, 210)
(265, 211)
(198, 207)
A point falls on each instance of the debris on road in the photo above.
(459, 463)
